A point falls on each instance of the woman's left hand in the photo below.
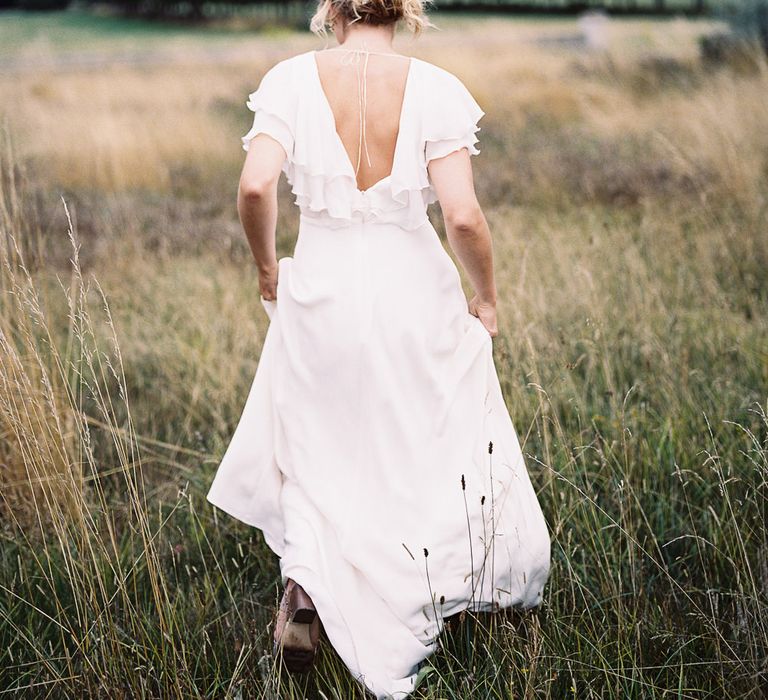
(486, 312)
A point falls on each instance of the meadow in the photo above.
(627, 193)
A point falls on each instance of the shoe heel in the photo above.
(304, 616)
(297, 638)
(297, 649)
(297, 629)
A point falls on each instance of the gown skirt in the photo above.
(375, 451)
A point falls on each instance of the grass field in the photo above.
(627, 192)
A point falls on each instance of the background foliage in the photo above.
(624, 180)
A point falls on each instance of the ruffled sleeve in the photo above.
(451, 117)
(273, 105)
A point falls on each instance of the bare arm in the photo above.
(257, 207)
(467, 230)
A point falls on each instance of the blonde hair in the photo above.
(376, 12)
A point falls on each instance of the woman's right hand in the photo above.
(486, 312)
(268, 282)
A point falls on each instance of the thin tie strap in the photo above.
(354, 56)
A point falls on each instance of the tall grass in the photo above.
(632, 265)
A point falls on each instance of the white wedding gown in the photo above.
(363, 450)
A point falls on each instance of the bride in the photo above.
(375, 452)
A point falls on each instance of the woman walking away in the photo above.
(375, 451)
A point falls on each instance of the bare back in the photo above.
(377, 92)
(388, 168)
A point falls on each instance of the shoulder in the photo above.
(445, 96)
(449, 112)
(278, 89)
(438, 76)
(281, 83)
(444, 92)
(286, 69)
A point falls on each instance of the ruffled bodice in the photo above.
(438, 116)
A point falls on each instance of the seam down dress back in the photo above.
(363, 452)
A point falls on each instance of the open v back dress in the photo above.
(375, 451)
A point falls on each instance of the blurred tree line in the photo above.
(174, 9)
(747, 19)
(291, 9)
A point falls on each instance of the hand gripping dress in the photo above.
(375, 451)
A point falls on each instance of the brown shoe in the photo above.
(297, 629)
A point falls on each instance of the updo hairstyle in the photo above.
(376, 12)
